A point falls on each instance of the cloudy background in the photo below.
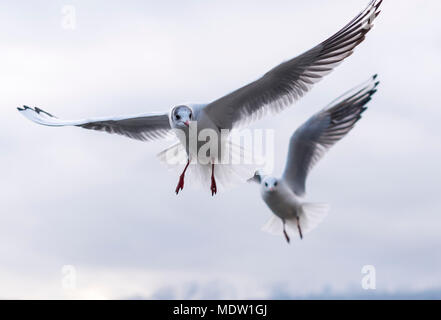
(104, 204)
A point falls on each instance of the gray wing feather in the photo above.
(289, 81)
(310, 142)
(143, 127)
(257, 178)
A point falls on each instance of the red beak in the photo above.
(187, 123)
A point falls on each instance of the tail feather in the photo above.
(173, 156)
(310, 216)
(273, 226)
(226, 174)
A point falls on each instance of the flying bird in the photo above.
(307, 146)
(273, 92)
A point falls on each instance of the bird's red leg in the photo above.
(181, 179)
(213, 181)
(284, 232)
(298, 226)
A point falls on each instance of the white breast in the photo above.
(196, 137)
(283, 202)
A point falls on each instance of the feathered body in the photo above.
(307, 146)
(284, 202)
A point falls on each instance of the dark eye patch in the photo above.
(178, 117)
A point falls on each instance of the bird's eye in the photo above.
(275, 184)
(178, 117)
(266, 184)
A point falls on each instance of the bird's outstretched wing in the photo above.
(257, 178)
(309, 143)
(289, 81)
(142, 127)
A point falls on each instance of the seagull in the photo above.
(274, 91)
(307, 146)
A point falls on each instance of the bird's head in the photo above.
(181, 117)
(270, 184)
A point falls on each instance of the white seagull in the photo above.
(273, 92)
(307, 145)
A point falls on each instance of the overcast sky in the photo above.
(106, 206)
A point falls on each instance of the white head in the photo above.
(270, 184)
(181, 117)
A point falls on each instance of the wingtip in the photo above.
(379, 3)
(23, 108)
(375, 3)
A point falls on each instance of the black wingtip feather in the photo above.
(25, 107)
(36, 109)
